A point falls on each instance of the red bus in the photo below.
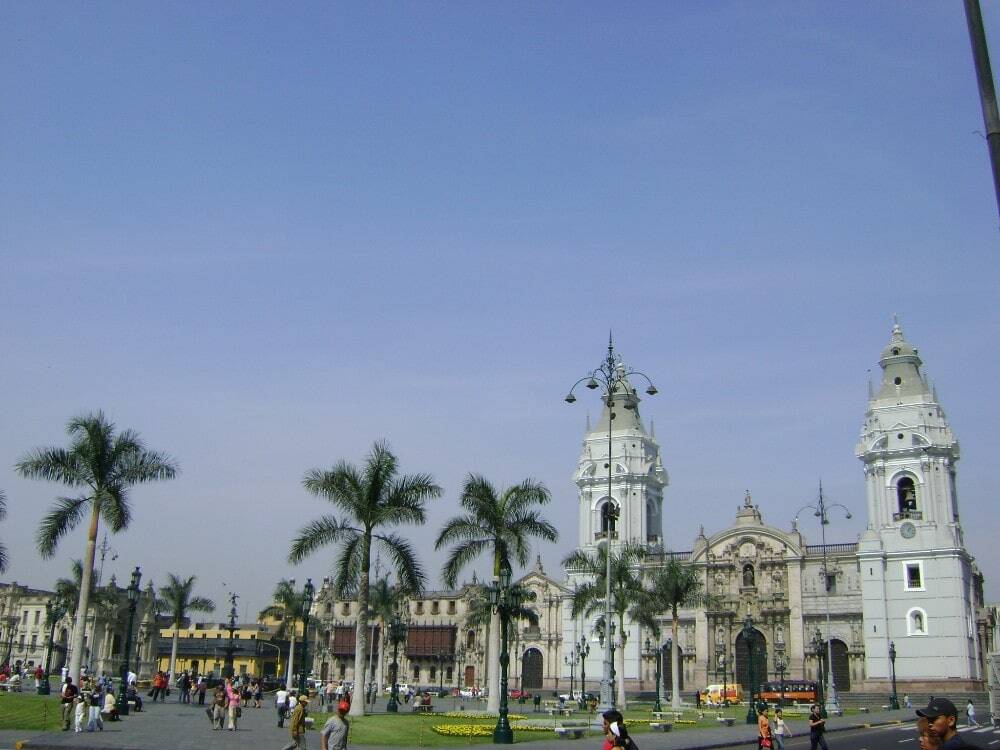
(792, 691)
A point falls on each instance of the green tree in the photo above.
(370, 498)
(178, 599)
(289, 610)
(385, 600)
(501, 525)
(669, 587)
(589, 597)
(3, 549)
(103, 466)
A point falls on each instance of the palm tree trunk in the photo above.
(361, 630)
(675, 677)
(173, 650)
(291, 660)
(83, 604)
(493, 664)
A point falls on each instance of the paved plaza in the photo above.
(187, 728)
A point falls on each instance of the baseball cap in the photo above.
(303, 699)
(343, 706)
(938, 707)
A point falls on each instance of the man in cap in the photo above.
(942, 716)
(333, 736)
(298, 725)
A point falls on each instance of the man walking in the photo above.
(281, 704)
(69, 693)
(297, 726)
(970, 714)
(333, 736)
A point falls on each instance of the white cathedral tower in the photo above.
(917, 579)
(631, 500)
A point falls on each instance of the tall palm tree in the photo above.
(499, 524)
(178, 599)
(370, 499)
(589, 597)
(671, 586)
(105, 466)
(3, 549)
(289, 609)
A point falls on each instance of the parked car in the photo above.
(470, 692)
(517, 694)
(403, 687)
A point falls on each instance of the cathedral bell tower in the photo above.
(631, 499)
(917, 578)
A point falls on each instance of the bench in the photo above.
(570, 733)
(661, 726)
(725, 720)
(423, 708)
(556, 711)
(864, 709)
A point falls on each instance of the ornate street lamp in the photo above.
(53, 613)
(748, 633)
(817, 644)
(228, 669)
(821, 510)
(133, 598)
(570, 661)
(502, 601)
(720, 658)
(894, 700)
(612, 377)
(780, 665)
(307, 601)
(583, 651)
(397, 635)
(655, 652)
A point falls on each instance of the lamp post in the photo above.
(307, 600)
(397, 634)
(748, 633)
(821, 510)
(570, 661)
(612, 377)
(133, 598)
(583, 651)
(53, 613)
(656, 653)
(817, 644)
(501, 600)
(780, 665)
(720, 666)
(894, 700)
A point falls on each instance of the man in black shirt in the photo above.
(942, 715)
(69, 692)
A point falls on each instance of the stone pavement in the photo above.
(186, 727)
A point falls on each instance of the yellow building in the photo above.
(201, 649)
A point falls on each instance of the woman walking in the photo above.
(233, 698)
(780, 731)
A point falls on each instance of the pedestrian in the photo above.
(942, 718)
(233, 705)
(780, 731)
(906, 700)
(79, 712)
(331, 696)
(258, 693)
(817, 726)
(218, 709)
(184, 688)
(929, 739)
(333, 735)
(970, 714)
(297, 725)
(39, 674)
(202, 689)
(95, 700)
(68, 696)
(110, 707)
(281, 705)
(615, 732)
(764, 741)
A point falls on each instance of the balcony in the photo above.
(600, 536)
(654, 539)
(911, 515)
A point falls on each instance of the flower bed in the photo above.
(481, 715)
(463, 730)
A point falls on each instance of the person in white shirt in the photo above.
(281, 704)
(781, 730)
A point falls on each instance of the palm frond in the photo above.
(319, 533)
(52, 464)
(460, 556)
(63, 518)
(348, 565)
(403, 559)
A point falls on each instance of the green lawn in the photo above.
(26, 711)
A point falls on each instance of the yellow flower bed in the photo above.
(480, 715)
(463, 730)
(520, 727)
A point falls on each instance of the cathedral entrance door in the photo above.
(531, 670)
(743, 661)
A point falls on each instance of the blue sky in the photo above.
(266, 236)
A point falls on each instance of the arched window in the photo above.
(906, 496)
(748, 576)
(470, 640)
(609, 518)
(916, 622)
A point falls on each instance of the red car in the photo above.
(516, 694)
